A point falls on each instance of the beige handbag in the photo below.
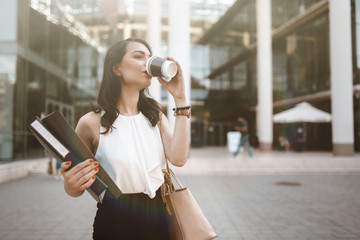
(186, 220)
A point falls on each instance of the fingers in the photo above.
(162, 81)
(64, 166)
(177, 76)
(90, 180)
(80, 166)
(84, 174)
(177, 64)
(80, 176)
(84, 167)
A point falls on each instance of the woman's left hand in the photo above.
(176, 86)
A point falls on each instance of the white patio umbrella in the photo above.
(302, 112)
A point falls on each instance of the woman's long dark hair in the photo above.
(110, 89)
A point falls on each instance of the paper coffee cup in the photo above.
(160, 67)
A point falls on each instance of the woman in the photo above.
(131, 139)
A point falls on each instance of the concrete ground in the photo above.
(271, 196)
(217, 160)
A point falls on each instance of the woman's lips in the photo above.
(147, 74)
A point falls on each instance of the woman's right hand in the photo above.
(80, 177)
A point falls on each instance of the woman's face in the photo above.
(132, 68)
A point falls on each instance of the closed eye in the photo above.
(139, 54)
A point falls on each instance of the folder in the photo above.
(57, 136)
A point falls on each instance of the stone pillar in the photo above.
(179, 45)
(154, 39)
(127, 29)
(341, 78)
(264, 74)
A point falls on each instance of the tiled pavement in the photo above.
(218, 161)
(279, 205)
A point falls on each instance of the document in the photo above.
(57, 136)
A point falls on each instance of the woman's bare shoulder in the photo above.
(89, 121)
(88, 128)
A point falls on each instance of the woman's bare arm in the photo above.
(176, 144)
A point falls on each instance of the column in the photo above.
(127, 29)
(154, 39)
(341, 78)
(179, 45)
(264, 74)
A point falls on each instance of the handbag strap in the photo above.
(168, 172)
(168, 186)
(176, 178)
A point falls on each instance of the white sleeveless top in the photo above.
(133, 155)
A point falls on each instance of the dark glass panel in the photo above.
(301, 60)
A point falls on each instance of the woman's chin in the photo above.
(148, 83)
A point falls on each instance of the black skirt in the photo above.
(131, 216)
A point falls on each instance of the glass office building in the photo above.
(48, 61)
(51, 55)
(300, 67)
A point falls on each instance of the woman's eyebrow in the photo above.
(142, 52)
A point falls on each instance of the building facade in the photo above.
(301, 69)
(51, 55)
(47, 62)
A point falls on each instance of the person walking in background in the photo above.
(242, 127)
(54, 167)
(131, 138)
(57, 164)
(284, 143)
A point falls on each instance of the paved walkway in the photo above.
(244, 207)
(217, 160)
(314, 205)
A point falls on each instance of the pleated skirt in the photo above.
(131, 216)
